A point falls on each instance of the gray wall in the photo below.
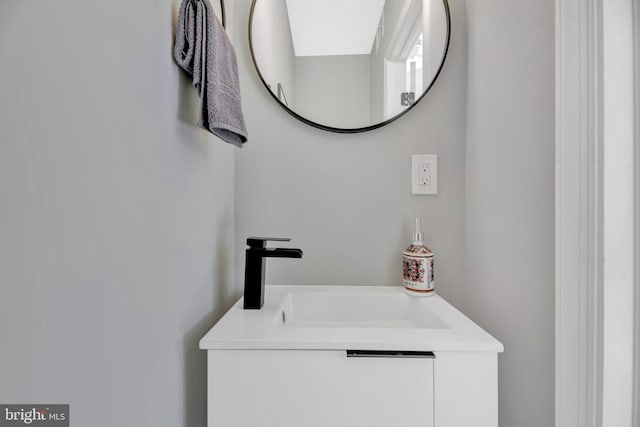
(116, 226)
(510, 198)
(333, 90)
(434, 18)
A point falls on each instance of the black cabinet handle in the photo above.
(398, 354)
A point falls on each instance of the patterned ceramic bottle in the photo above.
(417, 266)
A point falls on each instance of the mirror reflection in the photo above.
(348, 65)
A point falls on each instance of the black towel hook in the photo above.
(224, 18)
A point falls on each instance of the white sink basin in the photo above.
(357, 310)
(348, 317)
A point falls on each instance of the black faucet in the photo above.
(255, 264)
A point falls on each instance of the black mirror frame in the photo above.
(349, 130)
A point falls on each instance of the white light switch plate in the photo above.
(424, 174)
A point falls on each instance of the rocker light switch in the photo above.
(424, 174)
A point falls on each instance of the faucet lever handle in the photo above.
(261, 242)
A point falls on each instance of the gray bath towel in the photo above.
(203, 50)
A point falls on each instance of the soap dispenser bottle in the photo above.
(417, 266)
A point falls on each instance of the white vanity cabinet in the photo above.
(293, 388)
(288, 388)
(441, 373)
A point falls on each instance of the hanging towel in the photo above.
(203, 50)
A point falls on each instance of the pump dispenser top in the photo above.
(417, 236)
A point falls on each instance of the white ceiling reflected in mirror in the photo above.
(333, 27)
(348, 65)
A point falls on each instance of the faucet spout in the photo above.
(281, 253)
(254, 269)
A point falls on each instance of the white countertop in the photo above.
(261, 329)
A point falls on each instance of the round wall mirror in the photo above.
(348, 65)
